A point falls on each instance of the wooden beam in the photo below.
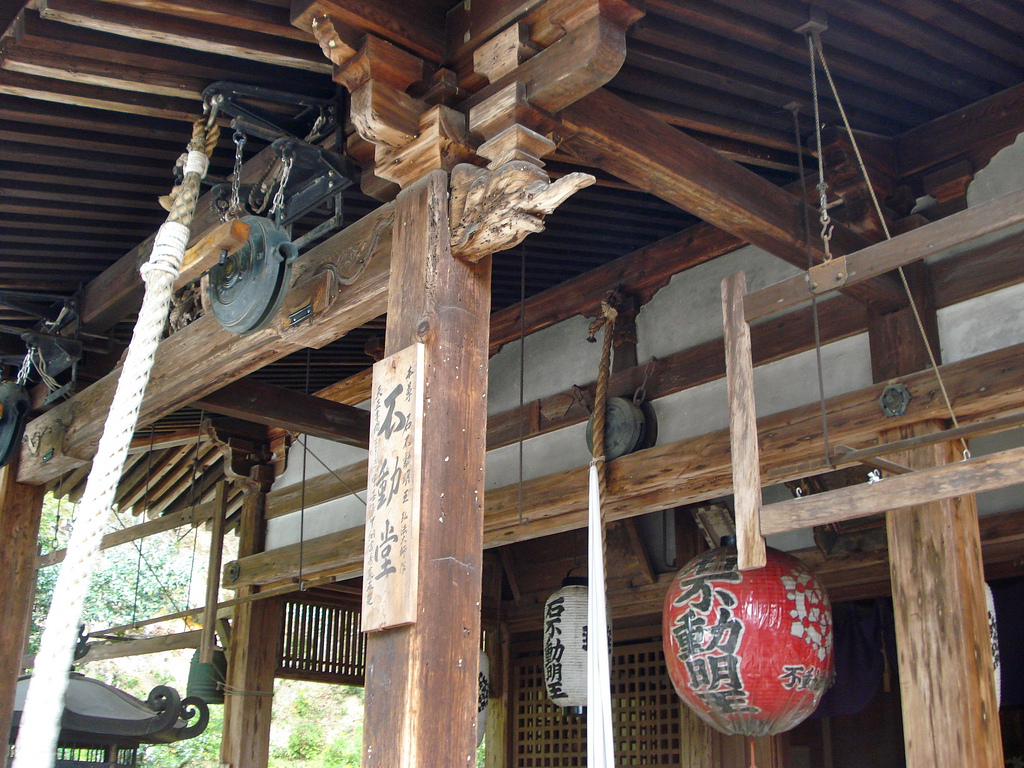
(445, 304)
(691, 470)
(609, 132)
(193, 517)
(252, 658)
(947, 481)
(947, 685)
(20, 509)
(392, 20)
(979, 226)
(226, 357)
(261, 403)
(187, 33)
(98, 97)
(978, 131)
(120, 649)
(772, 340)
(746, 466)
(220, 512)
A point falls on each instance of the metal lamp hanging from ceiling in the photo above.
(749, 651)
(565, 644)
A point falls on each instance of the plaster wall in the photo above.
(685, 313)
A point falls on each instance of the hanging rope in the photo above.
(814, 41)
(44, 704)
(600, 747)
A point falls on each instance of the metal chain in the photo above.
(816, 45)
(641, 392)
(234, 205)
(826, 222)
(26, 368)
(278, 206)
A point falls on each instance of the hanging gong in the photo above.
(246, 290)
(14, 404)
(624, 429)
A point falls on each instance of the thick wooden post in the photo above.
(421, 679)
(945, 659)
(20, 509)
(945, 663)
(252, 657)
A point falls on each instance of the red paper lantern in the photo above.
(748, 651)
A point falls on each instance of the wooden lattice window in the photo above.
(322, 641)
(645, 713)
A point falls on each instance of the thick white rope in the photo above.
(44, 703)
(600, 748)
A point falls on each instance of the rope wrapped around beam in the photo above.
(44, 704)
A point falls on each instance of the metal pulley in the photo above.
(247, 288)
(628, 427)
(14, 404)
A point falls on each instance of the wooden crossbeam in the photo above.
(611, 133)
(685, 472)
(997, 219)
(188, 33)
(286, 409)
(66, 436)
(985, 473)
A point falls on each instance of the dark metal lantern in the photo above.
(14, 405)
(206, 681)
(98, 716)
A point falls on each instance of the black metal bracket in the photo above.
(317, 174)
(237, 100)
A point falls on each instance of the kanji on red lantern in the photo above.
(749, 651)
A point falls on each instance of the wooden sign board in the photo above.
(391, 554)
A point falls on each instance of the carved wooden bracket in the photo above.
(493, 210)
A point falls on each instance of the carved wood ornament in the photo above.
(493, 210)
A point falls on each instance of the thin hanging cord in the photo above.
(826, 226)
(815, 41)
(138, 565)
(337, 477)
(302, 493)
(522, 368)
(810, 263)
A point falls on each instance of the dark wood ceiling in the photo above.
(96, 97)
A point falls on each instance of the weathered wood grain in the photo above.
(20, 509)
(251, 400)
(445, 304)
(691, 470)
(979, 226)
(71, 429)
(746, 465)
(612, 134)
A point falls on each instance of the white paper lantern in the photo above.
(565, 644)
(483, 697)
(993, 636)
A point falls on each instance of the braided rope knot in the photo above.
(196, 162)
(168, 250)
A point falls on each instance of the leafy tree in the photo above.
(127, 586)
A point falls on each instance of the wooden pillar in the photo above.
(252, 655)
(20, 509)
(945, 664)
(421, 679)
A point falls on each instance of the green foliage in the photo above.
(305, 741)
(346, 751)
(125, 586)
(201, 752)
